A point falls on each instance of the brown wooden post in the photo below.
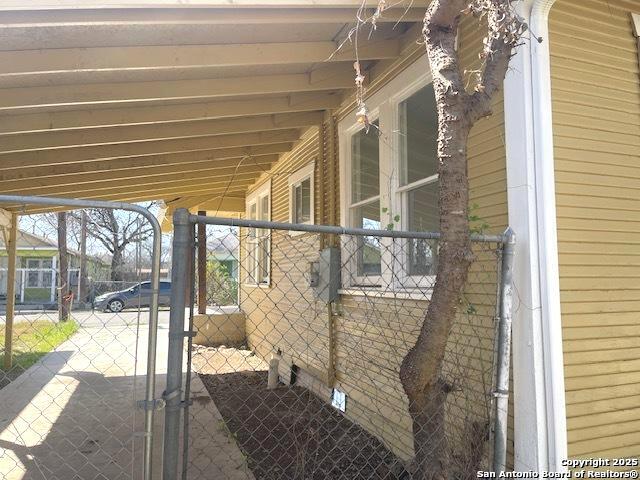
(11, 246)
(202, 266)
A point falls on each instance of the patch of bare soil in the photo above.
(289, 433)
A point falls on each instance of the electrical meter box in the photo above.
(326, 278)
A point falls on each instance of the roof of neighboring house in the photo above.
(29, 241)
(223, 245)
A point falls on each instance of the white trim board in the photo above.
(540, 441)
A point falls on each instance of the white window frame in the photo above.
(384, 107)
(251, 272)
(295, 180)
(40, 271)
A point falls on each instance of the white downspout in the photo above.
(548, 235)
(540, 420)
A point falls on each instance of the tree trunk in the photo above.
(117, 265)
(64, 292)
(421, 369)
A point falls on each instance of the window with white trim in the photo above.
(301, 196)
(258, 243)
(39, 272)
(389, 179)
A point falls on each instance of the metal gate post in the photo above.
(501, 393)
(180, 269)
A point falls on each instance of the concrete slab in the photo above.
(73, 416)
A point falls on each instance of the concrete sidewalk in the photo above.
(72, 415)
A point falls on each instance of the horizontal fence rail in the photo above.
(293, 336)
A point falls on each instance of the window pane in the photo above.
(46, 263)
(33, 263)
(418, 136)
(306, 200)
(264, 208)
(32, 278)
(47, 278)
(423, 217)
(297, 203)
(365, 172)
(263, 261)
(369, 252)
(253, 215)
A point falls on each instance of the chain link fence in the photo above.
(293, 361)
(70, 380)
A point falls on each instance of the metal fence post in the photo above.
(501, 393)
(180, 269)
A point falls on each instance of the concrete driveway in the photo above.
(72, 415)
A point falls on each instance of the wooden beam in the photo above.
(210, 175)
(55, 156)
(80, 180)
(226, 204)
(153, 114)
(155, 58)
(86, 18)
(35, 5)
(163, 131)
(334, 77)
(224, 157)
(11, 247)
(134, 197)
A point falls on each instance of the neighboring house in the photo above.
(37, 263)
(224, 250)
(559, 162)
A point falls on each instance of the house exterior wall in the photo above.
(368, 348)
(596, 121)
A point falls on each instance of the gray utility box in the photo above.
(325, 275)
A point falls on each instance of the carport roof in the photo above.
(167, 100)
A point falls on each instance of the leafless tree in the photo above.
(458, 110)
(115, 231)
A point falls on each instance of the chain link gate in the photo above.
(77, 389)
(290, 368)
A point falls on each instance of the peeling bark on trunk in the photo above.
(458, 110)
(64, 300)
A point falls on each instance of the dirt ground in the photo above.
(288, 433)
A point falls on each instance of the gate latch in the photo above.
(157, 404)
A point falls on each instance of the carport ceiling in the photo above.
(167, 101)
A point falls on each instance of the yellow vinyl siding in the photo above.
(373, 335)
(596, 122)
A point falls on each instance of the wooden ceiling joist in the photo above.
(155, 58)
(154, 114)
(48, 5)
(86, 18)
(184, 182)
(223, 157)
(15, 100)
(240, 165)
(164, 131)
(56, 156)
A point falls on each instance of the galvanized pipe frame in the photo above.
(183, 244)
(149, 402)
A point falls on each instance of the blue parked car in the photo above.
(138, 295)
